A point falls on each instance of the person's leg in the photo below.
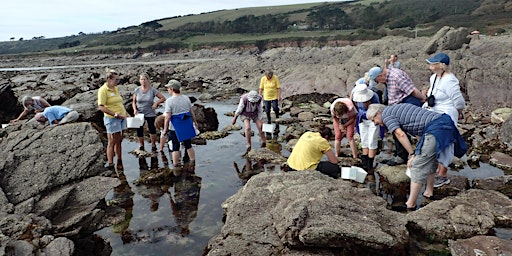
(423, 167)
(70, 117)
(175, 150)
(400, 151)
(445, 159)
(110, 149)
(338, 136)
(259, 125)
(118, 139)
(267, 111)
(329, 169)
(248, 134)
(351, 141)
(163, 139)
(152, 131)
(373, 143)
(275, 106)
(190, 150)
(140, 137)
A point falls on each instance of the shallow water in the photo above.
(182, 218)
(151, 231)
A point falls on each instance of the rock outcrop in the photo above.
(50, 188)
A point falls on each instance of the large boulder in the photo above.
(299, 212)
(448, 38)
(36, 159)
(471, 213)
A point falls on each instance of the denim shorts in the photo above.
(114, 125)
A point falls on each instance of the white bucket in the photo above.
(135, 122)
(4, 125)
(268, 128)
(348, 173)
(361, 174)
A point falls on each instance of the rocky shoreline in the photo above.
(295, 212)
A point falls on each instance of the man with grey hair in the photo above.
(400, 89)
(440, 141)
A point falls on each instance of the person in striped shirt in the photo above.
(438, 136)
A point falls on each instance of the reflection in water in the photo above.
(249, 169)
(123, 197)
(184, 203)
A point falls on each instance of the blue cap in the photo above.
(373, 73)
(439, 58)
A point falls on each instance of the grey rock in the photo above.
(471, 213)
(501, 184)
(61, 246)
(36, 159)
(305, 210)
(505, 134)
(480, 245)
(502, 161)
(20, 247)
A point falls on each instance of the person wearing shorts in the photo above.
(250, 108)
(344, 115)
(110, 103)
(438, 135)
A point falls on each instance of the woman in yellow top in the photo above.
(271, 89)
(310, 149)
(110, 103)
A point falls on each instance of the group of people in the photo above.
(178, 121)
(431, 115)
(45, 112)
(250, 106)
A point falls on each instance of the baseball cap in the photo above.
(439, 58)
(175, 84)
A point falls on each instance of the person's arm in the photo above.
(134, 104)
(193, 117)
(278, 94)
(107, 111)
(23, 114)
(402, 137)
(166, 122)
(416, 93)
(331, 157)
(161, 99)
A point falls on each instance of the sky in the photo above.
(57, 18)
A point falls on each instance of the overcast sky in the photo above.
(56, 18)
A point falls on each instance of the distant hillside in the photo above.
(264, 26)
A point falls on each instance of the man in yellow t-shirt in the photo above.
(271, 89)
(309, 150)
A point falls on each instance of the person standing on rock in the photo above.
(143, 102)
(270, 88)
(35, 103)
(400, 89)
(250, 108)
(310, 149)
(443, 96)
(344, 116)
(110, 103)
(179, 122)
(57, 115)
(368, 131)
(438, 134)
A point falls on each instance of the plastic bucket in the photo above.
(360, 174)
(132, 122)
(268, 128)
(4, 125)
(348, 173)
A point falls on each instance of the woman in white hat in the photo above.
(368, 131)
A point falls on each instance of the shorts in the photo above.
(338, 135)
(426, 162)
(114, 125)
(254, 119)
(369, 134)
(173, 139)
